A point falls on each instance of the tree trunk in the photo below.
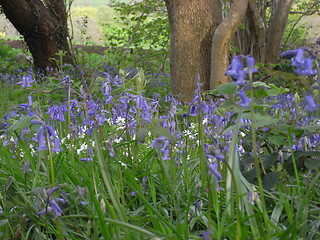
(276, 29)
(44, 29)
(193, 23)
(221, 42)
(257, 31)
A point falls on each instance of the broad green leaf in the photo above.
(259, 93)
(162, 132)
(312, 163)
(269, 160)
(21, 123)
(310, 128)
(270, 180)
(277, 139)
(228, 88)
(142, 133)
(260, 84)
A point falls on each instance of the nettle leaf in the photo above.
(227, 88)
(21, 124)
(162, 132)
(312, 163)
(270, 180)
(142, 133)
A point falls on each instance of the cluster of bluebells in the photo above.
(52, 205)
(26, 81)
(304, 65)
(302, 60)
(163, 144)
(46, 135)
(239, 69)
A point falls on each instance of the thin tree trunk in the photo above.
(43, 27)
(221, 42)
(193, 23)
(276, 29)
(257, 31)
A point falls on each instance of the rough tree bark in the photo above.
(221, 42)
(193, 23)
(276, 29)
(44, 28)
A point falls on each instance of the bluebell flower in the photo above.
(194, 110)
(145, 184)
(52, 204)
(213, 170)
(30, 100)
(298, 60)
(90, 155)
(307, 68)
(66, 81)
(206, 235)
(56, 145)
(244, 100)
(280, 157)
(289, 54)
(162, 143)
(55, 207)
(110, 148)
(106, 89)
(27, 80)
(42, 142)
(311, 105)
(303, 64)
(57, 112)
(253, 197)
(235, 67)
(213, 153)
(46, 133)
(25, 166)
(250, 62)
(52, 190)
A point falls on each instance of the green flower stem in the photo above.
(257, 162)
